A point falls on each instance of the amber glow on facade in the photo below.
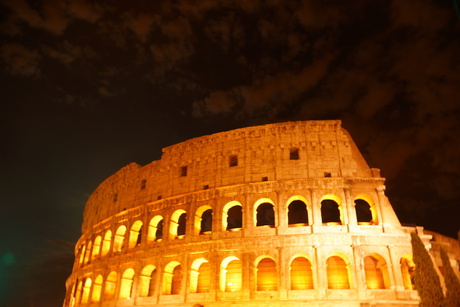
(280, 215)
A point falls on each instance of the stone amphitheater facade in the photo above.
(285, 214)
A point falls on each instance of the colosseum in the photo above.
(286, 214)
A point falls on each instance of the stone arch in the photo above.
(172, 278)
(264, 213)
(126, 285)
(301, 273)
(200, 276)
(203, 220)
(297, 213)
(82, 254)
(119, 238)
(96, 248)
(135, 234)
(88, 252)
(338, 272)
(147, 281)
(376, 270)
(97, 289)
(232, 216)
(177, 227)
(366, 210)
(266, 274)
(231, 274)
(155, 232)
(106, 243)
(407, 271)
(86, 290)
(110, 286)
(332, 211)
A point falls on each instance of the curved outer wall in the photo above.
(269, 166)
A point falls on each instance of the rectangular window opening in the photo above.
(326, 174)
(205, 187)
(294, 154)
(183, 171)
(233, 160)
(143, 184)
(264, 178)
(115, 197)
(159, 197)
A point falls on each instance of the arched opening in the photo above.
(147, 281)
(330, 212)
(86, 289)
(200, 276)
(78, 288)
(203, 220)
(88, 252)
(301, 274)
(265, 215)
(118, 239)
(110, 286)
(267, 275)
(126, 286)
(96, 248)
(106, 243)
(407, 270)
(172, 278)
(376, 271)
(178, 224)
(297, 213)
(337, 273)
(363, 212)
(97, 289)
(231, 274)
(135, 234)
(232, 216)
(155, 232)
(206, 222)
(82, 254)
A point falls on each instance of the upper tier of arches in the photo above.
(317, 150)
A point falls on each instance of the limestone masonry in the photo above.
(285, 214)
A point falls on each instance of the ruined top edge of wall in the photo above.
(268, 131)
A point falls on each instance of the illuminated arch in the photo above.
(301, 273)
(78, 288)
(338, 272)
(155, 232)
(126, 285)
(172, 278)
(200, 276)
(266, 274)
(407, 271)
(231, 274)
(177, 228)
(96, 248)
(97, 289)
(135, 234)
(332, 211)
(366, 210)
(110, 286)
(88, 252)
(232, 216)
(118, 239)
(264, 212)
(106, 243)
(376, 270)
(203, 220)
(82, 253)
(147, 281)
(86, 290)
(297, 213)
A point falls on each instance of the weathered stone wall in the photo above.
(327, 167)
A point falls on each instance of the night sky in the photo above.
(90, 86)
